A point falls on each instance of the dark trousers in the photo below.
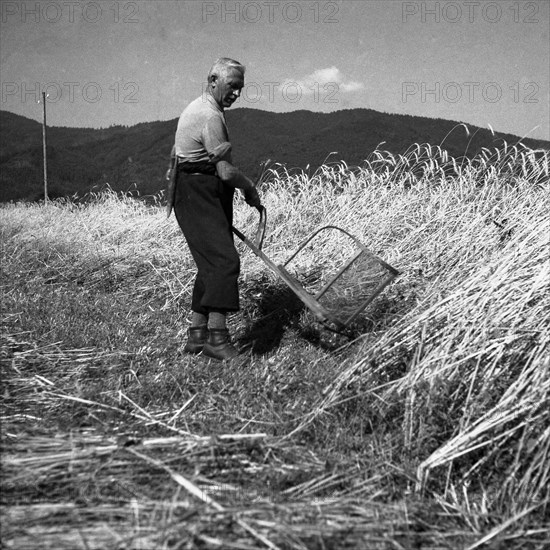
(204, 209)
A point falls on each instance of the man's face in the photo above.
(226, 90)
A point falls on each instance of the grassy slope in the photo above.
(429, 430)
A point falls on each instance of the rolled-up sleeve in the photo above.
(216, 140)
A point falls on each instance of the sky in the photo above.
(105, 63)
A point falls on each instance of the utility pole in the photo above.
(44, 150)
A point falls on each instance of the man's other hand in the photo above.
(252, 198)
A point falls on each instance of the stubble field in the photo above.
(428, 429)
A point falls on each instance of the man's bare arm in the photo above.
(233, 176)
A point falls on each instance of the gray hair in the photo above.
(223, 66)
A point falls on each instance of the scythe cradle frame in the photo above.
(327, 318)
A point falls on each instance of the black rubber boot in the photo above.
(196, 338)
(218, 345)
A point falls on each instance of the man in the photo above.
(203, 204)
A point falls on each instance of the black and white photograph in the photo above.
(275, 274)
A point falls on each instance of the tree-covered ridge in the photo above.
(136, 157)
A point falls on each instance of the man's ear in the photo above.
(213, 79)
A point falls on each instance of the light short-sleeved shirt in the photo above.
(201, 135)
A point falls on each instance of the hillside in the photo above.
(136, 156)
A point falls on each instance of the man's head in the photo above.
(225, 81)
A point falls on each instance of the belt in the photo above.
(202, 168)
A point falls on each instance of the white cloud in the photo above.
(324, 76)
(330, 75)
